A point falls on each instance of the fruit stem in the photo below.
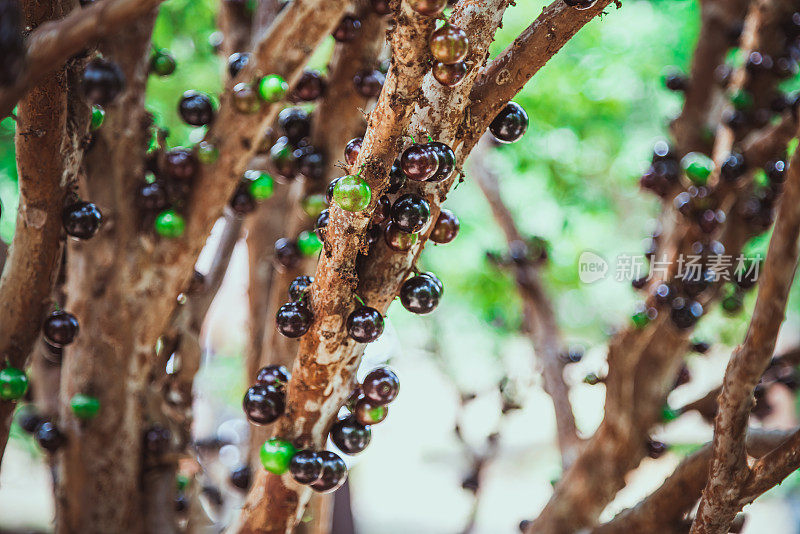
(359, 299)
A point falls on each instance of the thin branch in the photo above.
(541, 322)
(50, 45)
(729, 471)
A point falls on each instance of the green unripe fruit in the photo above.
(642, 316)
(741, 99)
(697, 166)
(207, 153)
(84, 406)
(309, 244)
(261, 184)
(162, 63)
(313, 205)
(13, 384)
(170, 224)
(352, 193)
(272, 88)
(668, 414)
(98, 116)
(276, 454)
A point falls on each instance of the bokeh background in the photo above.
(595, 111)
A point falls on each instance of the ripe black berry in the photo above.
(429, 8)
(685, 313)
(180, 164)
(365, 324)
(28, 418)
(329, 190)
(580, 4)
(382, 211)
(299, 286)
(397, 178)
(49, 437)
(446, 227)
(352, 149)
(263, 404)
(420, 294)
(321, 223)
(236, 62)
(286, 253)
(334, 473)
(276, 376)
(295, 123)
(311, 163)
(776, 171)
(242, 477)
(350, 436)
(655, 449)
(347, 30)
(102, 81)
(152, 196)
(196, 108)
(60, 328)
(380, 386)
(676, 82)
(510, 124)
(447, 161)
(306, 467)
(733, 167)
(310, 87)
(293, 319)
(419, 162)
(283, 158)
(410, 213)
(368, 83)
(397, 239)
(242, 201)
(81, 219)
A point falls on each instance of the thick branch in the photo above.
(53, 43)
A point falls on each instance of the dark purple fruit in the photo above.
(286, 253)
(293, 319)
(382, 211)
(306, 467)
(365, 324)
(49, 437)
(152, 196)
(352, 150)
(410, 213)
(380, 386)
(321, 223)
(580, 4)
(419, 162)
(397, 239)
(196, 108)
(295, 123)
(283, 158)
(449, 75)
(310, 87)
(733, 167)
(510, 124)
(242, 477)
(685, 313)
(446, 227)
(263, 404)
(180, 164)
(429, 8)
(381, 7)
(676, 82)
(350, 436)
(329, 190)
(334, 473)
(242, 201)
(776, 171)
(81, 219)
(274, 375)
(369, 413)
(368, 83)
(447, 161)
(28, 418)
(102, 81)
(157, 440)
(420, 295)
(236, 62)
(299, 287)
(311, 163)
(60, 328)
(347, 30)
(397, 178)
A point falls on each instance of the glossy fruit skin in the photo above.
(685, 313)
(330, 189)
(676, 82)
(263, 404)
(446, 227)
(180, 164)
(245, 98)
(98, 117)
(261, 185)
(435, 281)
(299, 287)
(350, 436)
(102, 81)
(28, 418)
(580, 4)
(347, 30)
(776, 171)
(321, 223)
(420, 295)
(162, 62)
(449, 75)
(295, 123)
(286, 252)
(382, 211)
(352, 150)
(697, 166)
(12, 42)
(276, 454)
(447, 161)
(365, 324)
(84, 406)
(380, 386)
(276, 376)
(397, 178)
(272, 88)
(429, 8)
(236, 62)
(510, 124)
(308, 243)
(334, 473)
(293, 319)
(50, 437)
(242, 202)
(81, 219)
(283, 158)
(242, 477)
(152, 196)
(449, 44)
(368, 413)
(13, 384)
(309, 87)
(170, 224)
(312, 164)
(398, 240)
(733, 167)
(410, 213)
(306, 467)
(196, 108)
(352, 193)
(419, 162)
(60, 328)
(368, 83)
